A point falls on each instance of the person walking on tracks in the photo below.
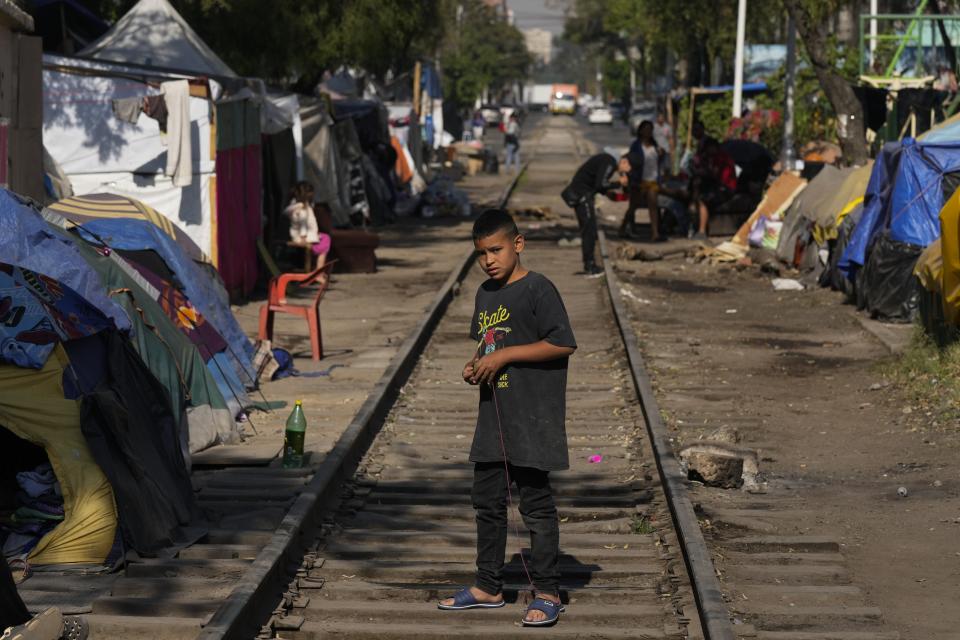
(524, 340)
(595, 176)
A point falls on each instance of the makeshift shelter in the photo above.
(196, 391)
(153, 34)
(73, 384)
(144, 243)
(847, 195)
(34, 409)
(796, 245)
(777, 199)
(80, 209)
(950, 248)
(103, 150)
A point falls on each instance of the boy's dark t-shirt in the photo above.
(531, 396)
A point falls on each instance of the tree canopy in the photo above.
(293, 42)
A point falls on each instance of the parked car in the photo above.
(643, 110)
(491, 113)
(600, 115)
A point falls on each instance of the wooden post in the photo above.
(693, 100)
(416, 90)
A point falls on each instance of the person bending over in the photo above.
(595, 176)
(523, 342)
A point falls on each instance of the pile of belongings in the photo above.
(39, 510)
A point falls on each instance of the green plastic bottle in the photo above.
(293, 438)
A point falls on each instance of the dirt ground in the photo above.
(801, 379)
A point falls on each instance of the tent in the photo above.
(153, 34)
(80, 209)
(910, 207)
(33, 407)
(191, 380)
(99, 152)
(796, 234)
(163, 256)
(74, 385)
(847, 195)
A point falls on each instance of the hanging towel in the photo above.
(176, 95)
(128, 109)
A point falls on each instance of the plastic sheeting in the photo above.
(950, 242)
(911, 211)
(152, 33)
(100, 153)
(33, 407)
(888, 288)
(200, 287)
(875, 198)
(27, 240)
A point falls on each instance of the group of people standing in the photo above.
(706, 179)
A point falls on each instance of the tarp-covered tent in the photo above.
(33, 407)
(80, 209)
(99, 152)
(27, 241)
(90, 382)
(777, 199)
(153, 34)
(847, 195)
(200, 287)
(911, 209)
(805, 210)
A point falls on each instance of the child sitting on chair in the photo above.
(523, 340)
(303, 222)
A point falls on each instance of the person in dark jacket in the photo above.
(600, 174)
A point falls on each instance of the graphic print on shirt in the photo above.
(494, 336)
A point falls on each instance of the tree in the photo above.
(480, 51)
(809, 17)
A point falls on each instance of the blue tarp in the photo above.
(430, 80)
(874, 198)
(909, 181)
(37, 312)
(26, 240)
(138, 235)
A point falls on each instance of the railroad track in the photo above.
(363, 544)
(403, 534)
(781, 578)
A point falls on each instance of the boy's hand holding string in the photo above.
(484, 369)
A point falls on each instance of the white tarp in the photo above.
(101, 153)
(152, 33)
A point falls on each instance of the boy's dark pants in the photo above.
(539, 514)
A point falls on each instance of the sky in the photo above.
(546, 14)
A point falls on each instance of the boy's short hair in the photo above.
(493, 220)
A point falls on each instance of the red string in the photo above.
(506, 468)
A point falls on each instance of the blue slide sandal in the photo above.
(463, 599)
(551, 609)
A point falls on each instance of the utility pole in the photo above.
(787, 152)
(873, 32)
(738, 63)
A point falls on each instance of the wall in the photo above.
(21, 108)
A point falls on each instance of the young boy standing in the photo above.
(523, 341)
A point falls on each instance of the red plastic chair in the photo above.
(277, 303)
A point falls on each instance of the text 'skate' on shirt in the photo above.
(531, 397)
